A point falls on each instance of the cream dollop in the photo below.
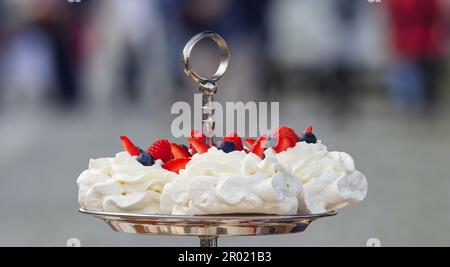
(330, 179)
(235, 183)
(122, 184)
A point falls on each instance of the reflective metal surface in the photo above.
(207, 86)
(207, 226)
(225, 55)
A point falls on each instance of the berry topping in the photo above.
(283, 144)
(284, 131)
(226, 146)
(250, 142)
(129, 146)
(176, 165)
(161, 149)
(179, 152)
(236, 139)
(196, 135)
(145, 159)
(198, 146)
(185, 147)
(308, 136)
(259, 146)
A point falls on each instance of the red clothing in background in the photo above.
(418, 28)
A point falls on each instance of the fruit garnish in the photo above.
(284, 131)
(145, 159)
(226, 146)
(236, 139)
(176, 165)
(196, 135)
(250, 142)
(308, 136)
(161, 149)
(199, 146)
(259, 146)
(179, 152)
(185, 147)
(283, 144)
(129, 146)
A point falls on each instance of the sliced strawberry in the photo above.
(259, 146)
(129, 146)
(283, 144)
(250, 142)
(179, 152)
(235, 139)
(284, 131)
(196, 135)
(176, 165)
(161, 149)
(199, 146)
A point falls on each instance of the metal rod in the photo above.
(208, 90)
(208, 87)
(208, 241)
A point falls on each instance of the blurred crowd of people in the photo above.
(101, 51)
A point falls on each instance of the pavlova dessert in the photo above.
(280, 173)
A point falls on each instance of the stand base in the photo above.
(208, 241)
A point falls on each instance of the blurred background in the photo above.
(372, 77)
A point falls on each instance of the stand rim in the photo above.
(212, 218)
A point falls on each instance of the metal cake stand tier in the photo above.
(208, 228)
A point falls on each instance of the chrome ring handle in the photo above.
(225, 55)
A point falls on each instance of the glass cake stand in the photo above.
(207, 228)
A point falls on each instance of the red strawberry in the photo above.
(129, 146)
(250, 142)
(259, 146)
(283, 144)
(176, 165)
(284, 131)
(161, 150)
(196, 135)
(199, 146)
(236, 139)
(179, 152)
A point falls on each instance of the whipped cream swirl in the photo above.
(330, 180)
(122, 184)
(235, 183)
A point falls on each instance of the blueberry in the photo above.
(226, 147)
(145, 159)
(309, 138)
